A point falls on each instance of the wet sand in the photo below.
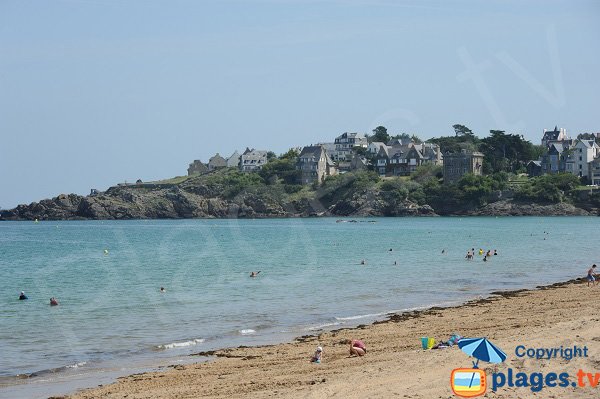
(563, 314)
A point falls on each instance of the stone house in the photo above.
(234, 160)
(216, 162)
(315, 164)
(456, 165)
(197, 167)
(402, 160)
(253, 160)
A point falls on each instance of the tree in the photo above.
(506, 152)
(416, 139)
(462, 130)
(271, 155)
(284, 169)
(291, 154)
(402, 136)
(380, 134)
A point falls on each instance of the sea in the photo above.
(113, 320)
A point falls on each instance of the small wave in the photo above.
(360, 316)
(321, 326)
(75, 365)
(247, 331)
(181, 344)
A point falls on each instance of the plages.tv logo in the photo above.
(471, 382)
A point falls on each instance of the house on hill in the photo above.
(315, 164)
(253, 160)
(197, 167)
(594, 172)
(584, 152)
(216, 162)
(456, 165)
(345, 143)
(234, 160)
(554, 136)
(555, 159)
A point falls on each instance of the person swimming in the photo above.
(363, 262)
(162, 289)
(22, 297)
(254, 274)
(53, 302)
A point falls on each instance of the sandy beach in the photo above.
(563, 314)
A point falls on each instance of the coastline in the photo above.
(550, 315)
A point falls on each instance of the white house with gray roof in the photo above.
(253, 160)
(584, 152)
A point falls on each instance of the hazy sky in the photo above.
(96, 92)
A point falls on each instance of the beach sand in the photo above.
(563, 314)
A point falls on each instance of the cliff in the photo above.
(227, 194)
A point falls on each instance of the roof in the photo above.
(589, 143)
(315, 151)
(536, 163)
(217, 160)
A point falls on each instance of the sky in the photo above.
(97, 92)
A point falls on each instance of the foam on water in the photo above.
(181, 344)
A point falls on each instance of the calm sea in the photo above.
(112, 317)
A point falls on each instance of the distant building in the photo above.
(402, 160)
(359, 163)
(556, 159)
(534, 168)
(315, 164)
(197, 167)
(456, 165)
(345, 143)
(594, 172)
(234, 160)
(217, 162)
(382, 160)
(554, 136)
(584, 152)
(253, 160)
(374, 147)
(431, 153)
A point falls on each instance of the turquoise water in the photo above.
(111, 309)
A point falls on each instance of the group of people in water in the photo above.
(53, 301)
(471, 254)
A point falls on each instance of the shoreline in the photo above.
(283, 369)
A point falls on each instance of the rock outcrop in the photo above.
(214, 199)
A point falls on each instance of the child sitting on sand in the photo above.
(317, 356)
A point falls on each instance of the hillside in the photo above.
(228, 193)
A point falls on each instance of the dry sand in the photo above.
(564, 314)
